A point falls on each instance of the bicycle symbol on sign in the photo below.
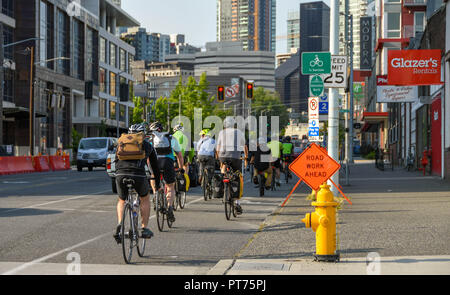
(316, 62)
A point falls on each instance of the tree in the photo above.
(138, 110)
(269, 104)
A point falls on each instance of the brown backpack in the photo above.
(131, 147)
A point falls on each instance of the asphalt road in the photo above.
(46, 216)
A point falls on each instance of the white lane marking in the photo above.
(53, 202)
(42, 259)
(16, 182)
(39, 260)
(77, 210)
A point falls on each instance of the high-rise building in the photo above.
(293, 31)
(253, 22)
(357, 8)
(314, 37)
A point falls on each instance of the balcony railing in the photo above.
(414, 2)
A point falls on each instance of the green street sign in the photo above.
(316, 85)
(314, 63)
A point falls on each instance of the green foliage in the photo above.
(76, 137)
(138, 110)
(269, 104)
(192, 95)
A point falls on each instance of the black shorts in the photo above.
(277, 163)
(166, 165)
(236, 164)
(141, 186)
(207, 162)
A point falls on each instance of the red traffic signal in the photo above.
(249, 92)
(221, 93)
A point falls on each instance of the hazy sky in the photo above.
(196, 19)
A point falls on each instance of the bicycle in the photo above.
(316, 62)
(228, 200)
(207, 183)
(286, 170)
(161, 207)
(129, 231)
(180, 196)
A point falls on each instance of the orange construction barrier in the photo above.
(15, 165)
(57, 163)
(67, 161)
(41, 164)
(4, 165)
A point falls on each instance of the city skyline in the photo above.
(198, 31)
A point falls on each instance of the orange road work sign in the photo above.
(314, 166)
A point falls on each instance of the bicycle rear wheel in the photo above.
(169, 223)
(205, 186)
(227, 201)
(181, 196)
(262, 183)
(127, 233)
(160, 208)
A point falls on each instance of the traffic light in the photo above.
(220, 93)
(250, 87)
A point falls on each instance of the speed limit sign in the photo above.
(338, 76)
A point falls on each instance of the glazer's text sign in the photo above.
(414, 67)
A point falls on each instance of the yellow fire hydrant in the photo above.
(323, 223)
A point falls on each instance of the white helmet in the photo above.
(229, 122)
(179, 127)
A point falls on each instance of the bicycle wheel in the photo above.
(176, 202)
(160, 208)
(181, 199)
(127, 233)
(261, 185)
(227, 201)
(205, 186)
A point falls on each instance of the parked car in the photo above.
(93, 152)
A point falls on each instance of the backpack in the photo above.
(162, 142)
(131, 147)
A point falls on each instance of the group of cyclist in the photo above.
(167, 154)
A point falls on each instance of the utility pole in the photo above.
(333, 114)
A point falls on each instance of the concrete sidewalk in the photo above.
(401, 218)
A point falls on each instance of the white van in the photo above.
(93, 151)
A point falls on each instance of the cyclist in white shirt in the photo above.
(205, 152)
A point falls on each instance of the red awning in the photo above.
(402, 41)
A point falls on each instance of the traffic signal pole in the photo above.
(333, 112)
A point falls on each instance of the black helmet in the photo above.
(288, 139)
(156, 126)
(136, 128)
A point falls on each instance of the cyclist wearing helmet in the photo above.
(166, 146)
(135, 169)
(287, 149)
(205, 152)
(183, 142)
(230, 145)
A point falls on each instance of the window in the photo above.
(46, 34)
(419, 22)
(103, 50)
(112, 110)
(102, 81)
(102, 106)
(122, 112)
(63, 65)
(92, 55)
(393, 25)
(123, 61)
(8, 38)
(112, 57)
(78, 47)
(112, 84)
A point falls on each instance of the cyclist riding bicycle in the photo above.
(166, 146)
(276, 149)
(230, 144)
(183, 142)
(205, 152)
(135, 170)
(261, 159)
(287, 149)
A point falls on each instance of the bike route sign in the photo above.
(315, 63)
